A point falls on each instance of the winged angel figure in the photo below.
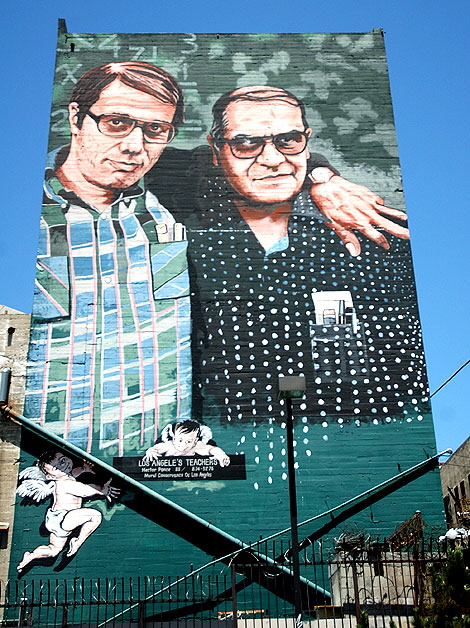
(55, 476)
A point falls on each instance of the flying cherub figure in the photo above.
(187, 438)
(55, 476)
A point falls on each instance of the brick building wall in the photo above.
(455, 480)
(14, 338)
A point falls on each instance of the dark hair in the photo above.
(186, 426)
(46, 457)
(219, 119)
(139, 75)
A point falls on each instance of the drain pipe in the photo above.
(5, 378)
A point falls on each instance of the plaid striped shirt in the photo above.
(110, 358)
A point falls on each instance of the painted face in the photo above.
(117, 163)
(59, 465)
(272, 177)
(184, 442)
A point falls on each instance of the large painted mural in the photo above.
(219, 211)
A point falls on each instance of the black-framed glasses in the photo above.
(116, 125)
(249, 147)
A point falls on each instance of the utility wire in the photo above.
(448, 380)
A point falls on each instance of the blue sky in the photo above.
(427, 49)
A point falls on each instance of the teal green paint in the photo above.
(315, 523)
(344, 84)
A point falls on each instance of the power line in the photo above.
(451, 377)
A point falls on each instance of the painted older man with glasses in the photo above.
(277, 293)
(110, 357)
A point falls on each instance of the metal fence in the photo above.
(387, 583)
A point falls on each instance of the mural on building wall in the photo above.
(67, 521)
(110, 358)
(220, 211)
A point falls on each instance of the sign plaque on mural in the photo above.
(188, 468)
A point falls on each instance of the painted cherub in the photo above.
(56, 476)
(187, 438)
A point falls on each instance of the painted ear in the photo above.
(205, 434)
(167, 433)
(73, 117)
(309, 135)
(215, 151)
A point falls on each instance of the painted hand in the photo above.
(351, 206)
(151, 454)
(88, 467)
(110, 492)
(223, 459)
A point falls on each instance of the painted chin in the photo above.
(120, 179)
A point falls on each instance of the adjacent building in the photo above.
(455, 479)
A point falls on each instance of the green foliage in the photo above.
(392, 624)
(450, 586)
(364, 620)
(457, 577)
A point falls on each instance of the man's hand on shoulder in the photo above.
(349, 206)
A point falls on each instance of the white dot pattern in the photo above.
(253, 320)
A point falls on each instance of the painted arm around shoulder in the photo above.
(349, 206)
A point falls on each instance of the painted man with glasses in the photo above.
(277, 293)
(110, 357)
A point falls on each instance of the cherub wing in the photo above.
(167, 433)
(205, 434)
(34, 484)
(33, 473)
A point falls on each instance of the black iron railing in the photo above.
(386, 582)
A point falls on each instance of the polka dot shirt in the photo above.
(254, 318)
